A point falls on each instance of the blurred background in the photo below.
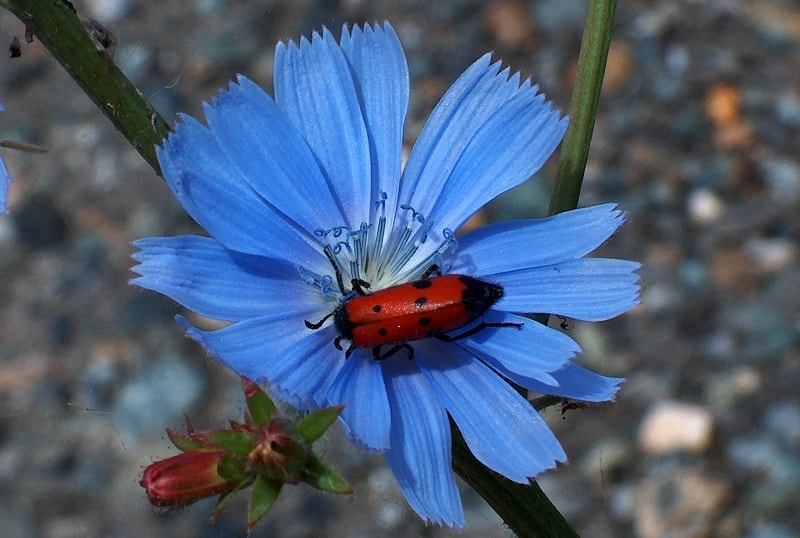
(697, 140)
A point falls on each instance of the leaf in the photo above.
(240, 443)
(225, 497)
(183, 442)
(313, 425)
(260, 405)
(317, 473)
(265, 491)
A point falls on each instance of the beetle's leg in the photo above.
(433, 270)
(475, 330)
(318, 324)
(378, 356)
(359, 285)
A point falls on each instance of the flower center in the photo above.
(381, 254)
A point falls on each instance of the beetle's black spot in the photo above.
(420, 302)
(425, 283)
(424, 321)
(377, 308)
(382, 331)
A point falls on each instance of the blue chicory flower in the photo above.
(5, 178)
(278, 182)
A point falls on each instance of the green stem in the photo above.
(525, 508)
(56, 24)
(583, 108)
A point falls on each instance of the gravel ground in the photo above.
(697, 139)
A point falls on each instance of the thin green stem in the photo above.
(583, 108)
(524, 507)
(56, 24)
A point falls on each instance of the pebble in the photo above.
(156, 398)
(40, 223)
(728, 389)
(618, 66)
(787, 108)
(679, 502)
(606, 458)
(508, 24)
(771, 255)
(783, 422)
(723, 105)
(672, 426)
(107, 11)
(704, 206)
(783, 177)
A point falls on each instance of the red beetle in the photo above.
(429, 307)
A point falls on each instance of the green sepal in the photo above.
(233, 468)
(313, 425)
(225, 497)
(318, 474)
(240, 443)
(183, 442)
(265, 491)
(260, 405)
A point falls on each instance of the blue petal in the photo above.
(487, 135)
(315, 89)
(295, 361)
(220, 200)
(420, 454)
(379, 70)
(203, 276)
(271, 155)
(518, 244)
(5, 180)
(532, 351)
(500, 427)
(590, 289)
(366, 416)
(575, 383)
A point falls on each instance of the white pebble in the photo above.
(704, 206)
(672, 426)
(771, 255)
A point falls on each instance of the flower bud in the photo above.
(186, 478)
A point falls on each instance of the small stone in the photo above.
(40, 224)
(783, 421)
(605, 459)
(107, 11)
(509, 25)
(783, 177)
(731, 268)
(723, 105)
(726, 390)
(679, 502)
(704, 206)
(672, 426)
(618, 66)
(771, 255)
(157, 397)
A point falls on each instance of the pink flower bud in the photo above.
(185, 478)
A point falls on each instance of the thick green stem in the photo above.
(583, 108)
(56, 24)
